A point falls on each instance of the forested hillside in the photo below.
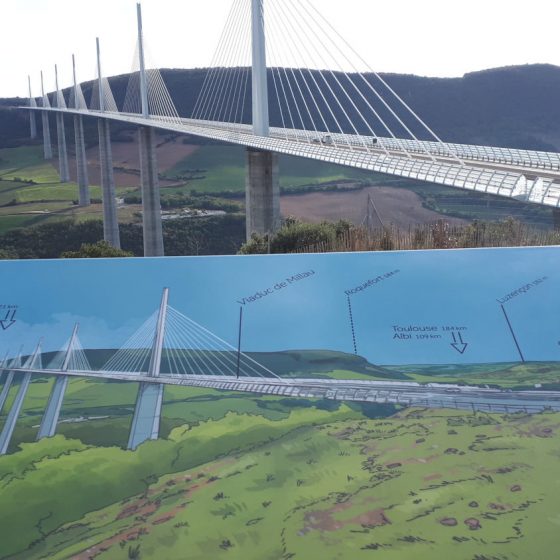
(514, 106)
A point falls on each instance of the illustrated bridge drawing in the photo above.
(328, 104)
(169, 348)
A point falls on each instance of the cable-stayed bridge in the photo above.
(170, 348)
(327, 103)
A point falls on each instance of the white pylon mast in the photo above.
(31, 98)
(57, 97)
(70, 349)
(33, 104)
(143, 80)
(260, 83)
(100, 84)
(76, 98)
(157, 348)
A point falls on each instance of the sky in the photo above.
(112, 298)
(430, 37)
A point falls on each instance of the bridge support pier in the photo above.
(47, 145)
(10, 424)
(262, 193)
(147, 412)
(147, 415)
(8, 382)
(62, 151)
(32, 125)
(110, 220)
(81, 161)
(6, 389)
(151, 205)
(52, 412)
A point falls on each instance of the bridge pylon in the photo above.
(110, 219)
(61, 134)
(260, 83)
(147, 412)
(6, 367)
(32, 116)
(10, 424)
(80, 145)
(47, 145)
(262, 189)
(54, 405)
(149, 175)
(3, 365)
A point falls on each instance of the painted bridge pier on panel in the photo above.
(16, 363)
(54, 405)
(33, 362)
(147, 412)
(72, 362)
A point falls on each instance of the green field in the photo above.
(314, 484)
(31, 192)
(509, 375)
(109, 406)
(249, 477)
(222, 168)
(474, 205)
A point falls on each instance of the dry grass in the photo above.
(440, 235)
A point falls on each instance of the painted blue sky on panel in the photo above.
(432, 290)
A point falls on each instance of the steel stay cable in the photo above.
(244, 57)
(224, 43)
(224, 342)
(180, 348)
(230, 75)
(226, 73)
(275, 65)
(213, 344)
(213, 63)
(384, 83)
(319, 52)
(317, 87)
(208, 354)
(133, 338)
(312, 120)
(289, 4)
(216, 348)
(369, 85)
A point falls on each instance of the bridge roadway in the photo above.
(524, 175)
(394, 392)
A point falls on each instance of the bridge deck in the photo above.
(403, 393)
(520, 174)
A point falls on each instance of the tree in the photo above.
(295, 235)
(99, 250)
(8, 253)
